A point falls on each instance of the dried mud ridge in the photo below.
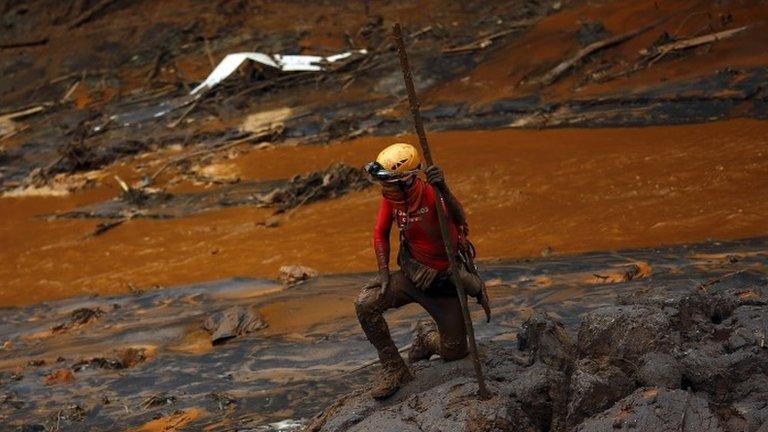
(655, 361)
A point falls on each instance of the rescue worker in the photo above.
(424, 276)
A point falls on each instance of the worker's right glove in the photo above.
(384, 279)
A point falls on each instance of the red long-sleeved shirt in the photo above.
(425, 242)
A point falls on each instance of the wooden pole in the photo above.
(414, 102)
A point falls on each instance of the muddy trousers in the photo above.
(442, 304)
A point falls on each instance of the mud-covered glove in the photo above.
(384, 279)
(435, 176)
(381, 280)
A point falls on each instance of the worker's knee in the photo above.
(366, 303)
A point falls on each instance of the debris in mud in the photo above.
(663, 359)
(72, 413)
(294, 274)
(157, 400)
(285, 195)
(267, 133)
(222, 400)
(486, 41)
(233, 322)
(656, 52)
(11, 399)
(338, 179)
(59, 376)
(633, 271)
(285, 63)
(304, 64)
(555, 73)
(78, 318)
(106, 226)
(124, 358)
(141, 195)
(38, 184)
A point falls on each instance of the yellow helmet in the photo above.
(400, 158)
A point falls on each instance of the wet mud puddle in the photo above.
(143, 362)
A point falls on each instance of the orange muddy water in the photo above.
(570, 190)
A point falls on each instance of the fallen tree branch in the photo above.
(486, 41)
(692, 42)
(556, 72)
(704, 285)
(270, 132)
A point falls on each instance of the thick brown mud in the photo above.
(570, 190)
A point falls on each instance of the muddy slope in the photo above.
(97, 73)
(663, 358)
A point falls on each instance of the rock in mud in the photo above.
(547, 341)
(78, 318)
(654, 409)
(659, 370)
(625, 332)
(595, 386)
(233, 322)
(293, 274)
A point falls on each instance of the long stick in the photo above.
(414, 102)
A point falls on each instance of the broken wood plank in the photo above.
(692, 42)
(555, 73)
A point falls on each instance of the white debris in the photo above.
(287, 63)
(225, 68)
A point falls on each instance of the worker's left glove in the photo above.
(435, 175)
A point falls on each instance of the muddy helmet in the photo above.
(396, 161)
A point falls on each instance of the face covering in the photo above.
(405, 192)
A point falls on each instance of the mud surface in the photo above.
(570, 190)
(669, 356)
(147, 355)
(123, 197)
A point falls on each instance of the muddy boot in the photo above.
(426, 342)
(394, 375)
